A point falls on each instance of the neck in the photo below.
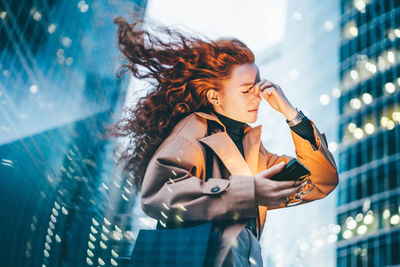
(232, 126)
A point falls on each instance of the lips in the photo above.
(256, 109)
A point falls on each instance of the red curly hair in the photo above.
(181, 71)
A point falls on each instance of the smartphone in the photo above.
(293, 171)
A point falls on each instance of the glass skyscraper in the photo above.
(62, 199)
(369, 155)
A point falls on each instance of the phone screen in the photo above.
(293, 171)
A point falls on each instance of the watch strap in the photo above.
(299, 117)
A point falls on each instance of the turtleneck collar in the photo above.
(233, 127)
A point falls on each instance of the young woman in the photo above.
(204, 93)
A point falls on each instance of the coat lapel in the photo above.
(251, 147)
(227, 151)
(225, 148)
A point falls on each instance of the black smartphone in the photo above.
(293, 171)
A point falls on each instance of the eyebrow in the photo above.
(246, 84)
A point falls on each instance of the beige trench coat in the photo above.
(174, 186)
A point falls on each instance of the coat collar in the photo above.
(225, 148)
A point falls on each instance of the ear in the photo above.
(212, 96)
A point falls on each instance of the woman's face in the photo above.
(237, 99)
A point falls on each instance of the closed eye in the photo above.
(245, 92)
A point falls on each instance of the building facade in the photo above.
(369, 133)
(62, 200)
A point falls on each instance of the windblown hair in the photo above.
(181, 70)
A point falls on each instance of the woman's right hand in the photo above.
(273, 193)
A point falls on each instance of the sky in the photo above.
(258, 23)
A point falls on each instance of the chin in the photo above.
(252, 119)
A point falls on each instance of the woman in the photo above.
(204, 93)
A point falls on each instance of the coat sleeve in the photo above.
(173, 190)
(318, 160)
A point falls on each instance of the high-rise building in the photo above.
(62, 202)
(369, 155)
(305, 66)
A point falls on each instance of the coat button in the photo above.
(215, 189)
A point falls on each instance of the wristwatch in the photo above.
(300, 116)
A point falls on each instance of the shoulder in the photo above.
(182, 147)
(193, 127)
(185, 134)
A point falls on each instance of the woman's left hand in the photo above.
(276, 98)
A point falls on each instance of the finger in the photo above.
(258, 86)
(265, 87)
(268, 83)
(297, 182)
(287, 184)
(273, 170)
(268, 91)
(257, 89)
(260, 82)
(287, 192)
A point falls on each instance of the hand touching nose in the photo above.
(275, 97)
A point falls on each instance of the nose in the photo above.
(257, 96)
(255, 102)
(256, 91)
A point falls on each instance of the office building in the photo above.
(62, 202)
(369, 133)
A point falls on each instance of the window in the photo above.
(370, 183)
(359, 187)
(382, 179)
(380, 148)
(392, 175)
(395, 246)
(382, 251)
(370, 150)
(370, 253)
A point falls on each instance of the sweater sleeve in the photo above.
(319, 160)
(305, 130)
